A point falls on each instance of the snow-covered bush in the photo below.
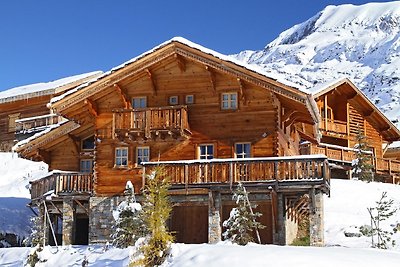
(242, 222)
(129, 225)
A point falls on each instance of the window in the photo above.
(242, 150)
(173, 100)
(229, 101)
(86, 165)
(88, 143)
(206, 151)
(142, 154)
(189, 99)
(11, 122)
(121, 157)
(139, 102)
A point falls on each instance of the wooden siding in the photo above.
(255, 120)
(25, 108)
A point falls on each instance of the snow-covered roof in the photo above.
(203, 49)
(40, 89)
(320, 87)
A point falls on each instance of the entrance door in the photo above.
(81, 230)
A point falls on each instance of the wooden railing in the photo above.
(32, 123)
(229, 171)
(348, 154)
(62, 183)
(149, 121)
(333, 126)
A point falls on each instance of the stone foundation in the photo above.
(101, 219)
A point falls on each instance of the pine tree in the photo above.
(156, 211)
(129, 225)
(381, 212)
(362, 167)
(242, 222)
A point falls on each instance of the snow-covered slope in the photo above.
(357, 42)
(15, 174)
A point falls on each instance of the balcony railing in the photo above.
(334, 126)
(229, 171)
(151, 122)
(35, 123)
(348, 154)
(62, 184)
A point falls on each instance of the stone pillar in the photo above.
(316, 218)
(68, 222)
(214, 217)
(279, 235)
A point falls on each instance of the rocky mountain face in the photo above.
(361, 43)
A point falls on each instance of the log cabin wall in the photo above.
(19, 109)
(348, 122)
(358, 123)
(255, 121)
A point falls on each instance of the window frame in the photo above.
(116, 157)
(139, 98)
(91, 165)
(243, 153)
(171, 103)
(189, 102)
(229, 101)
(206, 155)
(88, 149)
(12, 124)
(137, 154)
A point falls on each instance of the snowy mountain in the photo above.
(357, 42)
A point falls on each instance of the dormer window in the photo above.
(88, 143)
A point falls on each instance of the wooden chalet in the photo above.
(23, 110)
(209, 120)
(345, 112)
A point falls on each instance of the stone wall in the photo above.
(101, 219)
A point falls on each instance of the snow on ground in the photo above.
(345, 211)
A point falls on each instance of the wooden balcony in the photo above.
(151, 123)
(33, 124)
(333, 126)
(346, 155)
(62, 184)
(200, 173)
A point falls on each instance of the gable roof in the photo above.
(182, 47)
(376, 117)
(47, 88)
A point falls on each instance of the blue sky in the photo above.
(42, 40)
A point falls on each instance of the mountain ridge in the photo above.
(361, 43)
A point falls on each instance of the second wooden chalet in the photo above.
(23, 110)
(209, 120)
(345, 112)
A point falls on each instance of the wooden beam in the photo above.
(76, 141)
(211, 75)
(288, 113)
(369, 113)
(124, 99)
(352, 96)
(242, 95)
(152, 82)
(181, 62)
(44, 155)
(82, 206)
(92, 107)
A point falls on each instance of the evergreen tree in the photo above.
(36, 236)
(381, 212)
(362, 167)
(242, 222)
(129, 225)
(156, 211)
